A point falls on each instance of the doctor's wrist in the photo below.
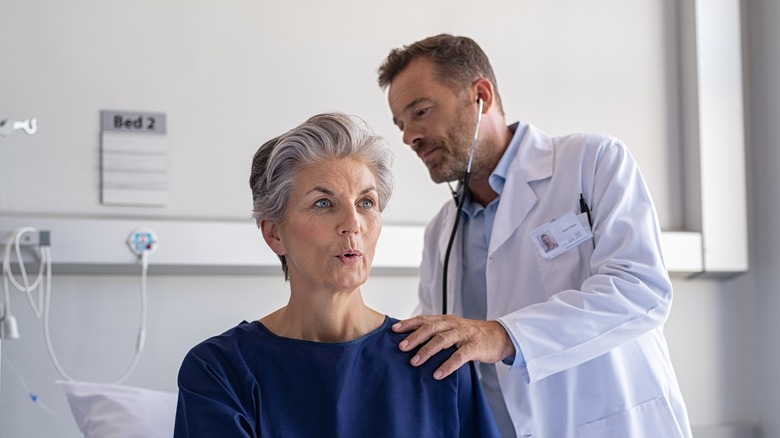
(514, 356)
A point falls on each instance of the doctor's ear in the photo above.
(484, 90)
(272, 237)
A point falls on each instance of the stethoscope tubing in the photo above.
(459, 201)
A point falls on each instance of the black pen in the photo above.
(585, 209)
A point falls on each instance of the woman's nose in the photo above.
(350, 223)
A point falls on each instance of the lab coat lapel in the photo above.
(533, 162)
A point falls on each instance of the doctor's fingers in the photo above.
(442, 332)
(416, 322)
(425, 327)
(484, 341)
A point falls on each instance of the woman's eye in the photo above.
(322, 203)
(367, 203)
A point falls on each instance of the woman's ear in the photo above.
(272, 238)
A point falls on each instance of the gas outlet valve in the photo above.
(142, 240)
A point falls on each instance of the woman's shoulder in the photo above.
(390, 350)
(232, 341)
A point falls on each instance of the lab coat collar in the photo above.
(534, 159)
(533, 162)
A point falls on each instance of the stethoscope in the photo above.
(460, 197)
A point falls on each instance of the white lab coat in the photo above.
(590, 321)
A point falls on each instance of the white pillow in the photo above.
(107, 410)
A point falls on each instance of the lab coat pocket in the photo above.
(569, 269)
(651, 419)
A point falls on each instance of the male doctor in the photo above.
(569, 341)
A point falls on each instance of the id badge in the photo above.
(560, 235)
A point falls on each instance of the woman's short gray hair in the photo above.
(322, 138)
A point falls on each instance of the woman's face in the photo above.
(331, 228)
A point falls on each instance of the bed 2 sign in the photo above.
(134, 158)
(132, 122)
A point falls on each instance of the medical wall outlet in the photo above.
(35, 238)
(142, 240)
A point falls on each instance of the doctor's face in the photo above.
(436, 121)
(331, 228)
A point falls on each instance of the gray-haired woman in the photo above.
(325, 364)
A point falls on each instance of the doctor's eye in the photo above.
(421, 112)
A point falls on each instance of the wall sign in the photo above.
(126, 121)
(134, 161)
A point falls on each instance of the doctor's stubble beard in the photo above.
(453, 162)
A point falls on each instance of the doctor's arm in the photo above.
(627, 292)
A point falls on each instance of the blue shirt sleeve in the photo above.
(208, 404)
(517, 359)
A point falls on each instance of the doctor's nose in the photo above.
(412, 137)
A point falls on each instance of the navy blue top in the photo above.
(248, 382)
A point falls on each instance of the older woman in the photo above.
(325, 364)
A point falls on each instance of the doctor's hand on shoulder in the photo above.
(484, 341)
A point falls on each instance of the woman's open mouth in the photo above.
(350, 256)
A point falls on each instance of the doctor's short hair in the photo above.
(458, 61)
(321, 138)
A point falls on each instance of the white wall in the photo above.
(230, 75)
